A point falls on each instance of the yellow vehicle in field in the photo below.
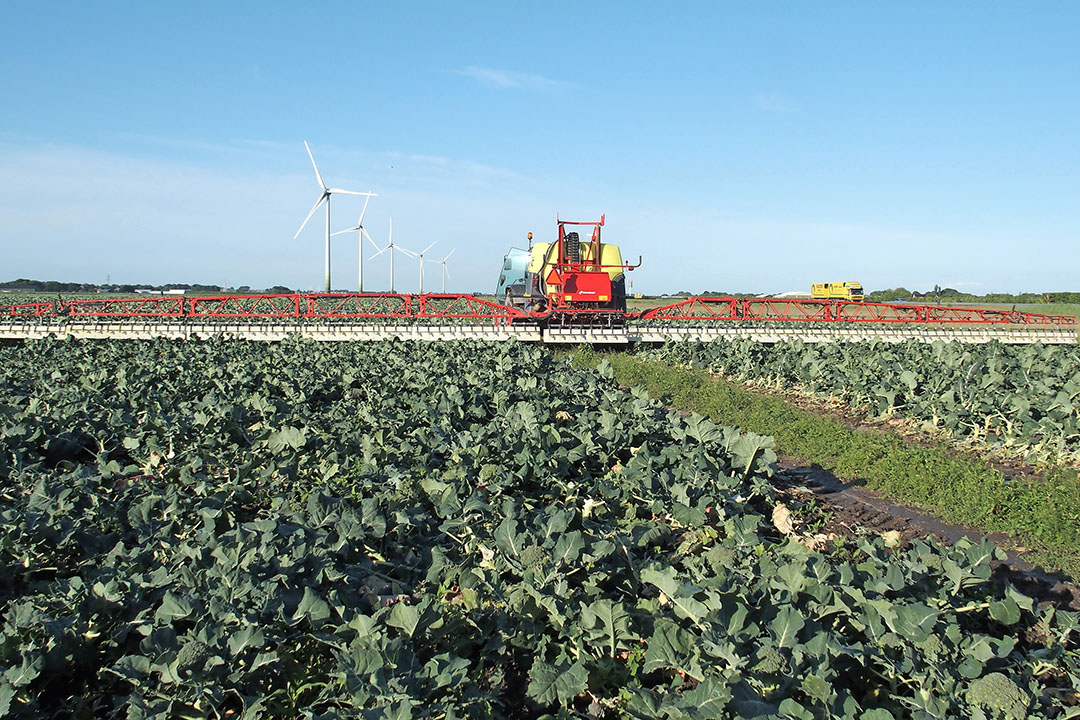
(837, 291)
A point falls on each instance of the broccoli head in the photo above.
(769, 661)
(999, 696)
(933, 647)
(533, 556)
(192, 656)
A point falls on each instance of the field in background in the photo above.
(1047, 308)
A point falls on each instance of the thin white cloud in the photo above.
(417, 170)
(773, 102)
(242, 146)
(510, 80)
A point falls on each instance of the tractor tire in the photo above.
(573, 247)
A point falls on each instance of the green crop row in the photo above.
(1021, 400)
(1041, 513)
(455, 530)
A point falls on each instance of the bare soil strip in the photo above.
(851, 510)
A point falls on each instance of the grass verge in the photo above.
(1042, 515)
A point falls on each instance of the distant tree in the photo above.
(21, 284)
(278, 290)
(889, 294)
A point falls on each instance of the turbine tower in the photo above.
(445, 272)
(420, 255)
(391, 247)
(361, 232)
(325, 197)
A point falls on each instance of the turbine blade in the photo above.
(317, 175)
(446, 272)
(360, 222)
(428, 247)
(339, 191)
(342, 232)
(410, 253)
(313, 209)
(448, 255)
(368, 236)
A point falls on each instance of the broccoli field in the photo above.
(1019, 400)
(454, 530)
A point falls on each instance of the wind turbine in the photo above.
(361, 232)
(445, 272)
(420, 255)
(325, 197)
(391, 247)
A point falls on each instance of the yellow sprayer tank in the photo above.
(610, 256)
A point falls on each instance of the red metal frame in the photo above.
(716, 309)
(851, 311)
(452, 306)
(788, 310)
(1038, 319)
(245, 306)
(355, 305)
(695, 308)
(27, 310)
(154, 306)
(940, 314)
(443, 305)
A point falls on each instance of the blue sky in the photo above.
(750, 147)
